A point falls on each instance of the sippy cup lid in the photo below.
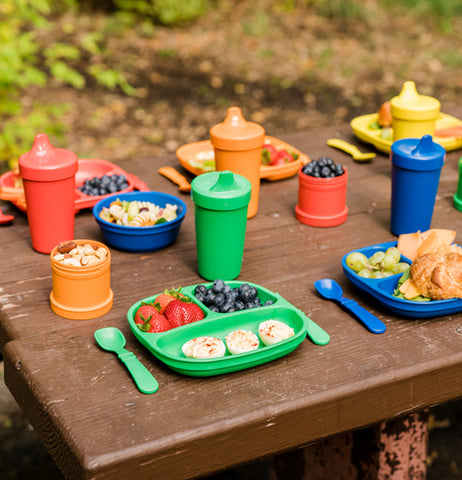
(420, 154)
(221, 190)
(410, 105)
(46, 163)
(236, 133)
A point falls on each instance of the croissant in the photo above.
(438, 275)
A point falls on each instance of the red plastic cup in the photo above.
(48, 175)
(322, 201)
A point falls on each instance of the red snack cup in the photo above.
(48, 175)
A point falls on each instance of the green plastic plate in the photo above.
(166, 346)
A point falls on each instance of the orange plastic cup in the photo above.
(322, 201)
(238, 147)
(81, 293)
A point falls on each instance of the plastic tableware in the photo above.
(413, 115)
(141, 239)
(382, 290)
(220, 201)
(415, 175)
(176, 177)
(199, 158)
(331, 290)
(5, 218)
(458, 195)
(361, 127)
(113, 340)
(166, 346)
(351, 149)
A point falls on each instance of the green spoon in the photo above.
(113, 340)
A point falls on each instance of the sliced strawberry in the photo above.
(269, 154)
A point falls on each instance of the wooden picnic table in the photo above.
(96, 424)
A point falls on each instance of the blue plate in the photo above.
(382, 289)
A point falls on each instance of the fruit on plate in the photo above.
(182, 312)
(384, 118)
(220, 297)
(272, 156)
(164, 298)
(104, 185)
(413, 245)
(381, 264)
(149, 319)
(323, 167)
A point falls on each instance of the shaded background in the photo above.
(290, 65)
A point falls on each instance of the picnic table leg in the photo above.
(394, 450)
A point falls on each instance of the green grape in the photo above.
(377, 274)
(356, 261)
(395, 252)
(389, 261)
(365, 273)
(386, 274)
(376, 259)
(400, 267)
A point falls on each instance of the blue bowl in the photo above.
(141, 239)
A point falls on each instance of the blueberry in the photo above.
(239, 305)
(200, 289)
(218, 286)
(200, 296)
(210, 297)
(329, 161)
(226, 289)
(339, 170)
(233, 295)
(308, 168)
(249, 305)
(325, 172)
(122, 179)
(112, 187)
(321, 162)
(214, 308)
(227, 308)
(257, 302)
(268, 302)
(253, 292)
(105, 180)
(219, 299)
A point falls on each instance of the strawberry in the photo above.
(149, 319)
(163, 299)
(284, 157)
(181, 312)
(269, 154)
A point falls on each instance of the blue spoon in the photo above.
(331, 290)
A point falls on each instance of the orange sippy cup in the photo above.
(238, 147)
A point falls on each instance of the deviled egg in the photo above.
(204, 347)
(274, 331)
(241, 341)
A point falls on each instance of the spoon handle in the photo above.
(371, 322)
(316, 333)
(143, 378)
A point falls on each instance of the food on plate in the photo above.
(183, 311)
(104, 185)
(83, 255)
(204, 161)
(272, 156)
(220, 297)
(138, 213)
(274, 331)
(149, 319)
(164, 298)
(323, 167)
(204, 347)
(381, 264)
(412, 245)
(384, 115)
(241, 341)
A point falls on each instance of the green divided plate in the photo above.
(166, 346)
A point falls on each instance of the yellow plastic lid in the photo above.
(235, 133)
(410, 105)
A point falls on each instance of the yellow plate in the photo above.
(197, 151)
(360, 126)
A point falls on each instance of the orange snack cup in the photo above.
(81, 293)
(238, 147)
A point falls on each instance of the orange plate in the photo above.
(88, 168)
(191, 150)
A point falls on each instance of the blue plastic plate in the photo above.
(382, 289)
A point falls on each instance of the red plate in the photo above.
(88, 168)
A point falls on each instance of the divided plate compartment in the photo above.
(167, 346)
(360, 126)
(190, 151)
(88, 168)
(382, 289)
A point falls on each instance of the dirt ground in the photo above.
(289, 70)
